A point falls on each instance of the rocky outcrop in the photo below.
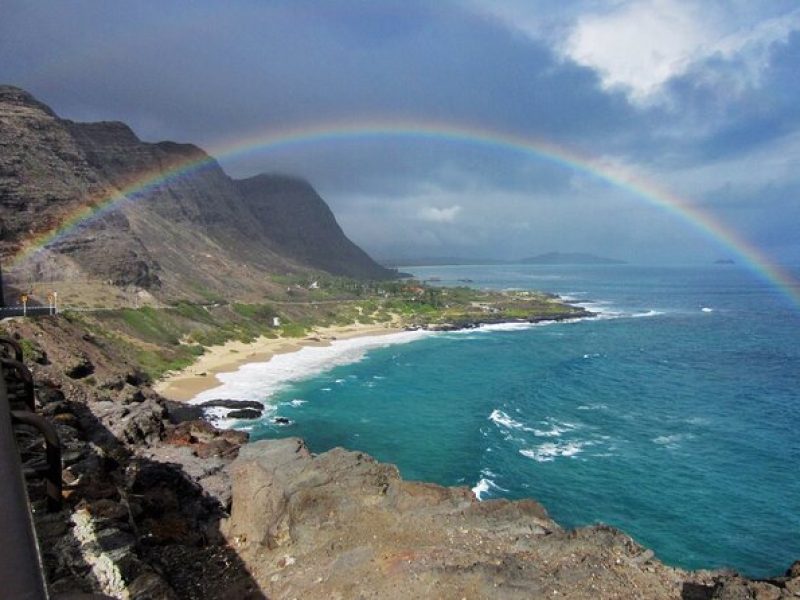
(341, 525)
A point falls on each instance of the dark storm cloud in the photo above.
(210, 73)
(203, 72)
(723, 114)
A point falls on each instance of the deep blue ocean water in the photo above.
(679, 425)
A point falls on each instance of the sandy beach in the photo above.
(184, 385)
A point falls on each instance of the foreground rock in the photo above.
(341, 525)
(143, 490)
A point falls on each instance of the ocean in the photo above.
(674, 415)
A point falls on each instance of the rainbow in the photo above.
(540, 149)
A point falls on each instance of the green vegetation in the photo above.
(171, 338)
(295, 330)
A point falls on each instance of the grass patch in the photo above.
(295, 330)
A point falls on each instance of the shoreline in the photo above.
(202, 375)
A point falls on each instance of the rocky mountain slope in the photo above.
(300, 224)
(192, 234)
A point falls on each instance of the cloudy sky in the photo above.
(700, 98)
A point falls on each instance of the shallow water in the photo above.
(674, 416)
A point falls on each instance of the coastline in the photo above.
(202, 375)
(207, 372)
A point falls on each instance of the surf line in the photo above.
(320, 133)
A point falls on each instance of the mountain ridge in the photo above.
(192, 234)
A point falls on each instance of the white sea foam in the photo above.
(706, 309)
(605, 309)
(501, 327)
(572, 296)
(649, 313)
(298, 402)
(550, 451)
(262, 380)
(486, 484)
(502, 419)
(481, 488)
(555, 430)
(672, 441)
(593, 407)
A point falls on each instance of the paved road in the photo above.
(16, 311)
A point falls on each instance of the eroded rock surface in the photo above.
(341, 525)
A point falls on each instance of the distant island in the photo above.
(570, 258)
(550, 258)
(436, 261)
(724, 261)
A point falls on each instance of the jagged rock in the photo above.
(80, 367)
(206, 441)
(115, 383)
(232, 404)
(137, 377)
(135, 397)
(179, 412)
(137, 423)
(148, 586)
(245, 413)
(202, 432)
(794, 570)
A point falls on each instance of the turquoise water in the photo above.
(677, 424)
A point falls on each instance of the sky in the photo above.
(699, 98)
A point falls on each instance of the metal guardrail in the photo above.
(21, 401)
(17, 375)
(10, 349)
(21, 574)
(52, 471)
(18, 311)
(21, 571)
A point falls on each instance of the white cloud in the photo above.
(639, 45)
(439, 215)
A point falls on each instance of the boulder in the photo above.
(246, 413)
(79, 368)
(236, 404)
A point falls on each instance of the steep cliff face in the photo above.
(183, 227)
(300, 224)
